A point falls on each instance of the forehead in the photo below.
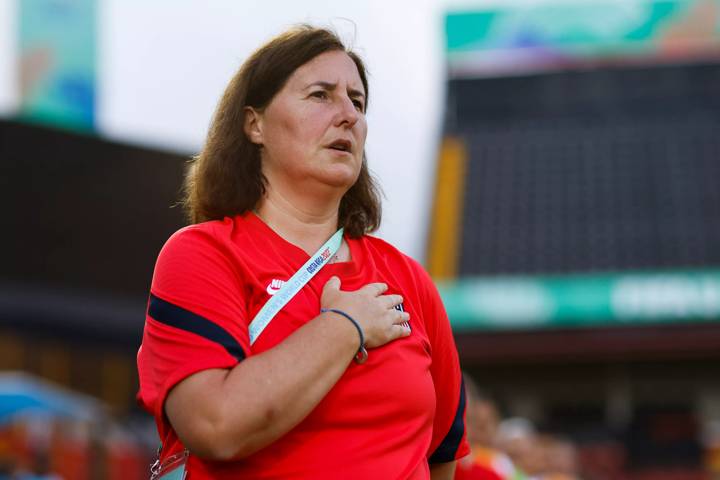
(333, 67)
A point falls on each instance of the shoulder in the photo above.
(213, 234)
(197, 249)
(210, 229)
(198, 259)
(379, 247)
(383, 249)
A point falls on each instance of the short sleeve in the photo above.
(195, 318)
(449, 440)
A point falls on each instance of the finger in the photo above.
(390, 301)
(401, 317)
(376, 288)
(332, 284)
(399, 331)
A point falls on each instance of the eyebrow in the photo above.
(331, 86)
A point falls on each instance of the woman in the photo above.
(283, 168)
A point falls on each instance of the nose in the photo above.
(347, 112)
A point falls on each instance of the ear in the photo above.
(253, 125)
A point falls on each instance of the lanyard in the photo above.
(292, 286)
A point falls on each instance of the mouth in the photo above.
(341, 146)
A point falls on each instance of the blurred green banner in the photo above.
(555, 33)
(582, 300)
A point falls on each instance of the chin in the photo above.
(343, 183)
(340, 176)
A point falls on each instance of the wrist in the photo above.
(361, 354)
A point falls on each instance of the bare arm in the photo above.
(222, 414)
(442, 471)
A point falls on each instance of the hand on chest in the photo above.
(305, 305)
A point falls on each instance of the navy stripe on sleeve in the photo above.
(445, 452)
(169, 314)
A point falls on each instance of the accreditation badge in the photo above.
(173, 468)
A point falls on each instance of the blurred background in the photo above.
(553, 164)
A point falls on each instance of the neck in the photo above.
(305, 222)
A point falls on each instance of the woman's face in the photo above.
(313, 131)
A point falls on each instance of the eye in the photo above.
(321, 94)
(359, 105)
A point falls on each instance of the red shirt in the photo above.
(383, 419)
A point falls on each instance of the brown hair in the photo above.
(225, 178)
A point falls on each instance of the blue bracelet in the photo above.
(362, 353)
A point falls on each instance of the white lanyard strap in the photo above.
(292, 286)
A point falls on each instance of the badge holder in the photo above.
(173, 468)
